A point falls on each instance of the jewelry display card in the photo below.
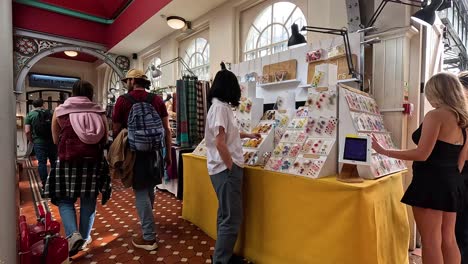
(200, 150)
(383, 165)
(361, 103)
(263, 127)
(308, 167)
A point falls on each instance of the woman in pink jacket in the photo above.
(79, 128)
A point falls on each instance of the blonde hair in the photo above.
(445, 89)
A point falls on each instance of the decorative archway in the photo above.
(28, 51)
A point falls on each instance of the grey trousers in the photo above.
(228, 188)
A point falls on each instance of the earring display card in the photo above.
(269, 115)
(321, 126)
(318, 146)
(361, 103)
(294, 136)
(200, 150)
(263, 127)
(367, 122)
(282, 120)
(249, 155)
(302, 112)
(298, 123)
(252, 142)
(245, 105)
(279, 164)
(383, 165)
(308, 167)
(244, 125)
(279, 132)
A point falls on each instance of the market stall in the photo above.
(294, 219)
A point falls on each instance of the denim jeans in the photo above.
(43, 152)
(144, 200)
(228, 188)
(87, 214)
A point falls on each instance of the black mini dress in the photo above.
(437, 183)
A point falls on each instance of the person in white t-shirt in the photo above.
(225, 161)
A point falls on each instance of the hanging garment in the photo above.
(182, 121)
(200, 110)
(192, 112)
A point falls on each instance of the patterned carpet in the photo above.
(117, 223)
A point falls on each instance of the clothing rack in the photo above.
(191, 109)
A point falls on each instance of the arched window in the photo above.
(155, 81)
(271, 29)
(197, 56)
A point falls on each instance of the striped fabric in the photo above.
(192, 112)
(86, 178)
(200, 111)
(182, 122)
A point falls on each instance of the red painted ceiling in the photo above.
(80, 57)
(35, 19)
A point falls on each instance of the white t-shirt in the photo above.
(221, 115)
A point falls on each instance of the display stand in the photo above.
(349, 173)
(360, 116)
(250, 110)
(307, 148)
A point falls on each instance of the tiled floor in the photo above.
(117, 223)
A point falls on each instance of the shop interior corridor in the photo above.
(116, 224)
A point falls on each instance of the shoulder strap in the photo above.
(129, 98)
(149, 98)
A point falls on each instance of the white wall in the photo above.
(55, 66)
(224, 30)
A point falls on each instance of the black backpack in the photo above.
(42, 125)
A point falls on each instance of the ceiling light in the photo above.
(71, 53)
(176, 22)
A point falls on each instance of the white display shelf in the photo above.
(373, 131)
(272, 84)
(364, 112)
(348, 80)
(305, 86)
(348, 127)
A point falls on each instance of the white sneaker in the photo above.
(86, 243)
(75, 242)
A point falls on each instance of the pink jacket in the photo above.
(85, 118)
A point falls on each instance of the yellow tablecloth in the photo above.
(297, 220)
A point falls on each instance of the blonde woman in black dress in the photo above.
(437, 190)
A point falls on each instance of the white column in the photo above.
(8, 221)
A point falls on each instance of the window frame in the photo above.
(270, 48)
(155, 82)
(206, 59)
